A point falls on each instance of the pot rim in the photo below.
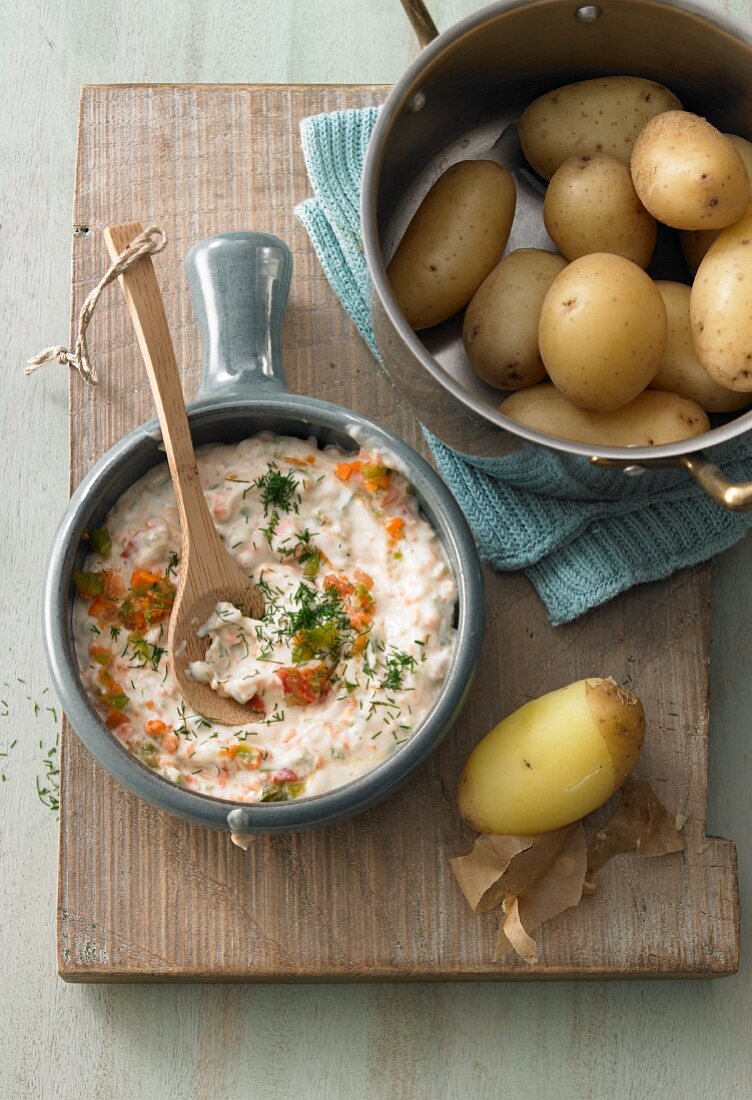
(405, 87)
(341, 802)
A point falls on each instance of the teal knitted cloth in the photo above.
(577, 553)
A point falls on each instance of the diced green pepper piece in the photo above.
(88, 585)
(311, 564)
(148, 754)
(281, 792)
(119, 702)
(101, 541)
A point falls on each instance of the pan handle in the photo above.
(734, 495)
(239, 284)
(422, 23)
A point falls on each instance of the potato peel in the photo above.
(481, 870)
(641, 824)
(535, 878)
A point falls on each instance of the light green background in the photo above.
(638, 1040)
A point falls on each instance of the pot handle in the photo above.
(239, 284)
(422, 23)
(734, 495)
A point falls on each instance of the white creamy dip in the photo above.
(356, 639)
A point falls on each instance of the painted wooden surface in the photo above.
(373, 897)
(669, 1039)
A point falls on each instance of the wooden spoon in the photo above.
(207, 573)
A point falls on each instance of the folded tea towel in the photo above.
(577, 552)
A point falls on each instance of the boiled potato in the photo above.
(453, 242)
(554, 760)
(681, 371)
(591, 206)
(688, 174)
(720, 308)
(501, 323)
(593, 116)
(696, 242)
(651, 419)
(602, 331)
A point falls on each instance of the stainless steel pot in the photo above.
(239, 284)
(468, 86)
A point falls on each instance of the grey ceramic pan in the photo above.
(468, 86)
(239, 284)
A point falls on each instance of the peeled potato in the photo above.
(720, 308)
(688, 174)
(501, 323)
(554, 760)
(651, 419)
(591, 206)
(696, 242)
(604, 115)
(453, 242)
(681, 371)
(602, 331)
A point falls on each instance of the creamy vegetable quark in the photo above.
(355, 642)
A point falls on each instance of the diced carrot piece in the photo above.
(155, 727)
(170, 743)
(339, 583)
(142, 578)
(343, 470)
(230, 751)
(395, 527)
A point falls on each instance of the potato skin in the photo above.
(602, 331)
(681, 371)
(556, 759)
(591, 206)
(651, 419)
(720, 308)
(604, 115)
(453, 242)
(688, 174)
(696, 242)
(500, 331)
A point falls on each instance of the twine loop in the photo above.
(148, 243)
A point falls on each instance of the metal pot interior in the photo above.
(473, 82)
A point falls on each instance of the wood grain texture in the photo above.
(143, 896)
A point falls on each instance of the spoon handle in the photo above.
(144, 300)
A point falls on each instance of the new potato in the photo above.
(591, 206)
(688, 174)
(651, 419)
(602, 331)
(696, 242)
(453, 242)
(500, 331)
(681, 371)
(592, 116)
(554, 760)
(720, 308)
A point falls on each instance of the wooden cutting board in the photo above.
(143, 896)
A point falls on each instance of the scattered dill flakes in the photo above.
(278, 491)
(48, 785)
(397, 664)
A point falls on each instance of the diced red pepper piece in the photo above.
(303, 686)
